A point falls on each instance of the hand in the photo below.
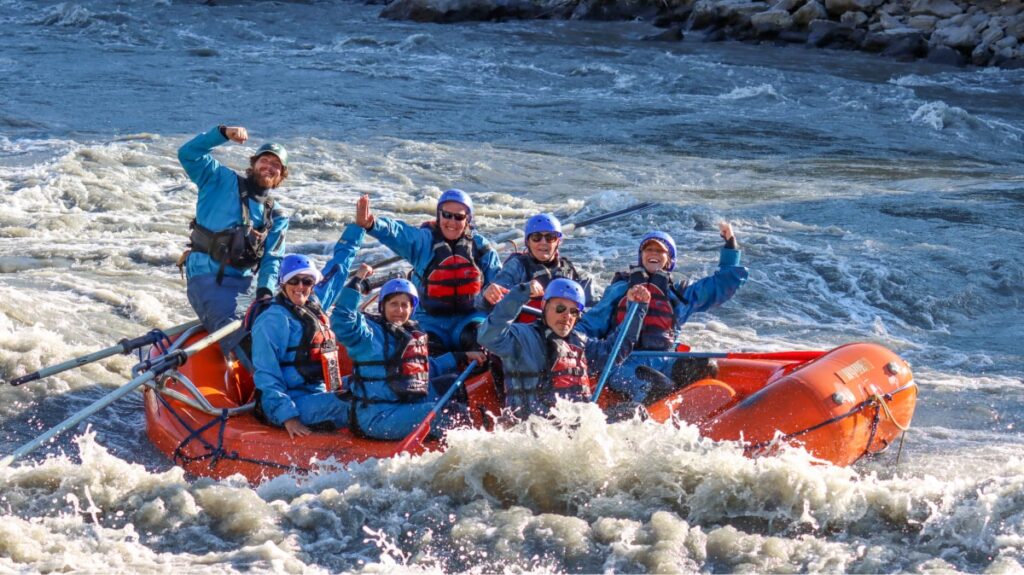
(294, 427)
(236, 134)
(725, 228)
(494, 293)
(478, 356)
(639, 294)
(364, 217)
(536, 290)
(364, 271)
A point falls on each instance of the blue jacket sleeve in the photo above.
(496, 332)
(351, 328)
(270, 264)
(269, 345)
(713, 290)
(597, 321)
(490, 261)
(201, 167)
(512, 273)
(443, 364)
(410, 242)
(336, 271)
(598, 349)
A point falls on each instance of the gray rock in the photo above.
(793, 36)
(673, 34)
(1015, 28)
(813, 10)
(907, 47)
(981, 55)
(1007, 42)
(963, 37)
(993, 34)
(939, 8)
(822, 32)
(890, 22)
(923, 22)
(945, 55)
(954, 21)
(772, 21)
(840, 7)
(787, 5)
(853, 19)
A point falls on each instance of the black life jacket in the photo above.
(242, 245)
(454, 275)
(543, 272)
(316, 355)
(565, 371)
(407, 368)
(658, 331)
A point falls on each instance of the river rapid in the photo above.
(873, 200)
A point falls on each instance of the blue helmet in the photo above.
(397, 286)
(458, 196)
(543, 223)
(566, 288)
(663, 239)
(293, 265)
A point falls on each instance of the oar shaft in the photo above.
(620, 336)
(124, 346)
(421, 431)
(117, 394)
(799, 355)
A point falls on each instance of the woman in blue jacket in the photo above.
(394, 381)
(673, 301)
(294, 350)
(451, 265)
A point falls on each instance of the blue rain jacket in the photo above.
(513, 273)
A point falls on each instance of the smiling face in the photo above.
(267, 171)
(398, 308)
(654, 256)
(544, 246)
(298, 289)
(454, 218)
(561, 315)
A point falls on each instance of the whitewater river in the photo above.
(874, 200)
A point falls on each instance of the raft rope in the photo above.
(878, 400)
(215, 453)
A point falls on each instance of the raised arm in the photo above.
(336, 271)
(270, 263)
(496, 332)
(409, 242)
(200, 165)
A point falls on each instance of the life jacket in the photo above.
(406, 369)
(658, 331)
(565, 371)
(316, 355)
(454, 275)
(543, 273)
(240, 246)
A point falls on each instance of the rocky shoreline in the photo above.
(955, 32)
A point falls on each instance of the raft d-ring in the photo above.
(885, 407)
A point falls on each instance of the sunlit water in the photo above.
(874, 200)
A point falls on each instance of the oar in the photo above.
(153, 369)
(124, 346)
(417, 436)
(801, 355)
(609, 365)
(566, 229)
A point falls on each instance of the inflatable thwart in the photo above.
(839, 405)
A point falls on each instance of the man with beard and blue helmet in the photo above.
(295, 352)
(394, 382)
(548, 359)
(451, 265)
(238, 231)
(673, 301)
(538, 265)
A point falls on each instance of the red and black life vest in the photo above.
(543, 272)
(658, 331)
(316, 355)
(454, 275)
(565, 372)
(406, 369)
(241, 246)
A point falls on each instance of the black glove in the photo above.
(731, 243)
(360, 285)
(263, 292)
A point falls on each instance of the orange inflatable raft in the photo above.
(839, 405)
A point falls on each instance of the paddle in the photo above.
(566, 229)
(153, 369)
(609, 365)
(417, 436)
(801, 355)
(124, 346)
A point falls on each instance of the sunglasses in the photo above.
(550, 238)
(453, 216)
(562, 308)
(304, 280)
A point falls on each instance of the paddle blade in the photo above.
(415, 439)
